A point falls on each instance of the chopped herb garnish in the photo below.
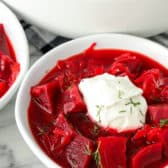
(131, 109)
(141, 122)
(42, 130)
(163, 122)
(133, 103)
(141, 113)
(99, 108)
(87, 150)
(39, 103)
(95, 129)
(120, 93)
(122, 111)
(96, 156)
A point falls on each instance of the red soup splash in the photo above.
(60, 124)
(9, 67)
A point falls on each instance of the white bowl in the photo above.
(18, 39)
(45, 63)
(74, 18)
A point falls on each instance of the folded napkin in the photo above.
(44, 41)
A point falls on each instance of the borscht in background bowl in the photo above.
(14, 57)
(97, 101)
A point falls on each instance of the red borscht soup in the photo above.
(59, 119)
(9, 67)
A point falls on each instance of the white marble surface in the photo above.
(14, 153)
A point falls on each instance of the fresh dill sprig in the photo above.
(133, 103)
(87, 150)
(96, 156)
(163, 122)
(95, 130)
(99, 108)
(141, 113)
(131, 109)
(122, 111)
(120, 93)
(42, 130)
(141, 122)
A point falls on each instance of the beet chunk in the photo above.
(63, 131)
(79, 152)
(147, 155)
(112, 151)
(157, 113)
(4, 47)
(45, 95)
(73, 101)
(62, 124)
(56, 141)
(9, 69)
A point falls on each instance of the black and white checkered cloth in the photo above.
(44, 41)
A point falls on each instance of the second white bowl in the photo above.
(19, 43)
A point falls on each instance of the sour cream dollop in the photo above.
(114, 101)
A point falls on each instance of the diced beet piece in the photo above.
(70, 72)
(73, 101)
(153, 135)
(57, 139)
(53, 149)
(4, 48)
(3, 88)
(158, 112)
(112, 151)
(85, 126)
(62, 124)
(63, 131)
(79, 152)
(5, 64)
(147, 155)
(9, 69)
(45, 95)
(147, 135)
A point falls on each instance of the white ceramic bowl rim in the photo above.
(18, 39)
(46, 63)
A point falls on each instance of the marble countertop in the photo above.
(14, 152)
